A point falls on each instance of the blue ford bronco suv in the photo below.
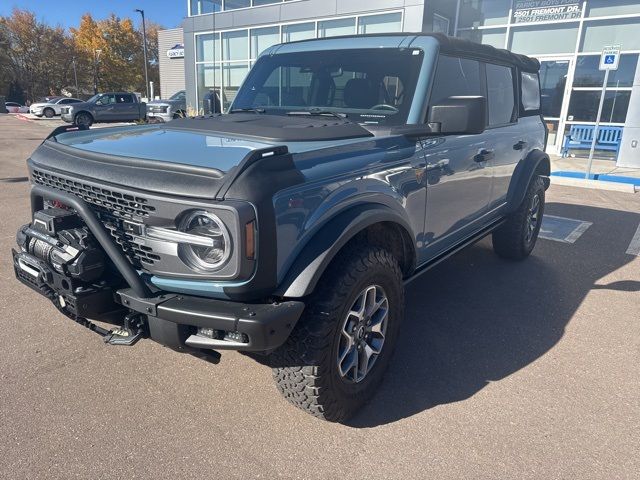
(344, 168)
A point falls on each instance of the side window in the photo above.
(530, 93)
(456, 77)
(500, 94)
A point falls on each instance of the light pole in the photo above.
(144, 49)
(96, 57)
(75, 75)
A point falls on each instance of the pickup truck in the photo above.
(105, 107)
(170, 109)
(287, 228)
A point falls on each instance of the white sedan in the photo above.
(13, 107)
(52, 107)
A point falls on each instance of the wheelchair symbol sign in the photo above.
(610, 58)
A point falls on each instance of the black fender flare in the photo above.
(535, 161)
(321, 249)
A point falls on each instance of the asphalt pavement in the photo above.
(504, 370)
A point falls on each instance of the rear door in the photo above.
(458, 177)
(125, 108)
(506, 138)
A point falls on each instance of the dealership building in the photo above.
(223, 38)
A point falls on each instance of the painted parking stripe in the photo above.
(561, 229)
(634, 246)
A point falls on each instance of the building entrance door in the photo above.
(555, 89)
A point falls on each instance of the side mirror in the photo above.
(459, 115)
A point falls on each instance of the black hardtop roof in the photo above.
(456, 46)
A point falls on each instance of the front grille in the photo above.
(112, 208)
(139, 255)
(120, 204)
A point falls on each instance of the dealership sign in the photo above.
(177, 51)
(526, 11)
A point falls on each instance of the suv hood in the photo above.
(162, 144)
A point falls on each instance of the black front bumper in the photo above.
(181, 322)
(174, 320)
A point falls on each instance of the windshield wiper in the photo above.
(248, 109)
(318, 111)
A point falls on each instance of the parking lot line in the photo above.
(634, 246)
(561, 229)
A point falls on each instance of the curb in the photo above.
(595, 184)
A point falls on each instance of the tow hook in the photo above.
(129, 333)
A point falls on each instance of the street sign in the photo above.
(610, 57)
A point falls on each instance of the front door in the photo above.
(459, 173)
(554, 89)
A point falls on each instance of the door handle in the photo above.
(484, 155)
(520, 145)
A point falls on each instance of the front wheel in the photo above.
(516, 238)
(84, 120)
(337, 354)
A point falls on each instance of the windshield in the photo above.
(373, 86)
(178, 95)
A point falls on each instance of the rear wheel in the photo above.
(49, 113)
(516, 238)
(336, 356)
(83, 119)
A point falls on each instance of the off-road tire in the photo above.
(49, 112)
(510, 239)
(305, 367)
(83, 119)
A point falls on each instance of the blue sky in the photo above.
(168, 13)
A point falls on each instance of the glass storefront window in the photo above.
(553, 80)
(265, 2)
(232, 76)
(583, 106)
(390, 22)
(494, 37)
(205, 48)
(299, 31)
(589, 75)
(263, 38)
(200, 7)
(611, 32)
(333, 28)
(235, 45)
(599, 8)
(476, 13)
(233, 4)
(544, 39)
(208, 77)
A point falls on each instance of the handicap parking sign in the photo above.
(610, 57)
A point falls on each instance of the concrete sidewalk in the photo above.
(599, 166)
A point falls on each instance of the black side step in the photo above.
(467, 242)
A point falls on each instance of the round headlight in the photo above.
(216, 247)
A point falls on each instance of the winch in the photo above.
(60, 258)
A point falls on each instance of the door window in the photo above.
(500, 94)
(126, 98)
(456, 77)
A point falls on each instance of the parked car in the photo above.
(167, 110)
(52, 106)
(105, 107)
(13, 107)
(345, 168)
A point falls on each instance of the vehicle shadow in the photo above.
(477, 319)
